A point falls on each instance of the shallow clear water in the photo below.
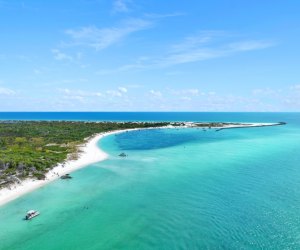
(177, 189)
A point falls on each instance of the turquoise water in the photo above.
(178, 189)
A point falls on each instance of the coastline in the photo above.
(89, 153)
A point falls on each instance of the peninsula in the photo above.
(33, 153)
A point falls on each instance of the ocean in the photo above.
(149, 116)
(177, 189)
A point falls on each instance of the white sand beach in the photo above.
(90, 153)
(249, 125)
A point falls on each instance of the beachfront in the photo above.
(89, 153)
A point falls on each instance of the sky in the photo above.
(149, 55)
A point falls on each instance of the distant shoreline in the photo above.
(91, 153)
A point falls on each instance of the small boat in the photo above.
(66, 176)
(31, 214)
(123, 155)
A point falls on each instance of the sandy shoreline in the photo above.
(249, 125)
(90, 153)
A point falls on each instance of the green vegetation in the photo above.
(32, 148)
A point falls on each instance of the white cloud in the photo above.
(185, 98)
(204, 46)
(191, 92)
(122, 89)
(75, 97)
(295, 87)
(155, 93)
(101, 38)
(188, 92)
(192, 42)
(114, 93)
(189, 56)
(83, 95)
(60, 56)
(37, 71)
(121, 6)
(6, 91)
(79, 93)
(266, 92)
(188, 99)
(156, 16)
(208, 46)
(249, 45)
(117, 93)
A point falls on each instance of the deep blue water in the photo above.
(151, 116)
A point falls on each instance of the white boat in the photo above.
(31, 214)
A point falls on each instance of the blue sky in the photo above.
(149, 55)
